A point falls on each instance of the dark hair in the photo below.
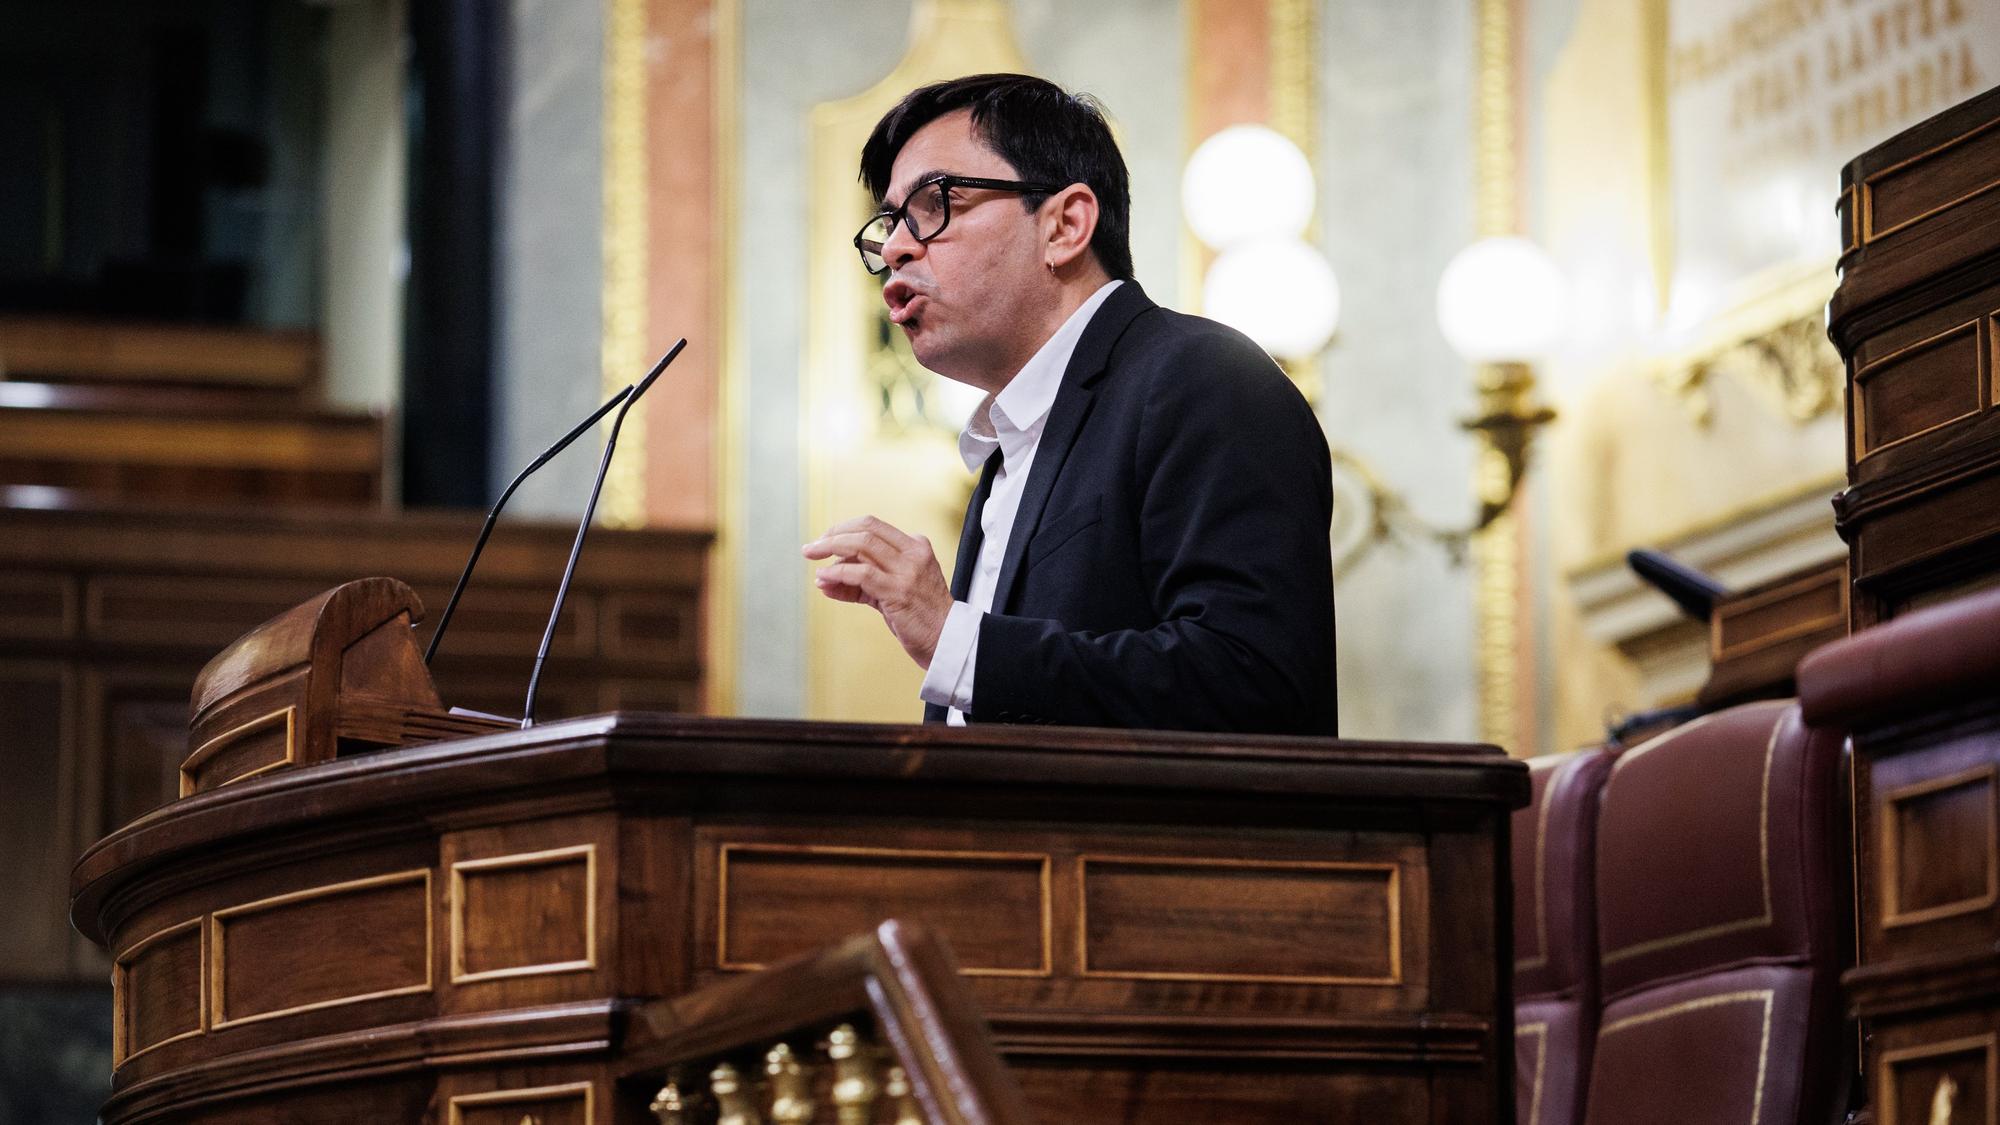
(1048, 134)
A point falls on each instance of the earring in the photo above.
(1051, 263)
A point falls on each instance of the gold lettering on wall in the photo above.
(1802, 71)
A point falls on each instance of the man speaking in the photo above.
(1147, 546)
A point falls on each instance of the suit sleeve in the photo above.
(1235, 501)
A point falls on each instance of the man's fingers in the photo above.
(858, 530)
(846, 576)
(843, 593)
(847, 545)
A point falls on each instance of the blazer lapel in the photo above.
(974, 532)
(1066, 416)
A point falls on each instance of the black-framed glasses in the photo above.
(926, 211)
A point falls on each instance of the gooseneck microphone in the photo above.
(486, 530)
(583, 527)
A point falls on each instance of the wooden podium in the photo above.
(1156, 926)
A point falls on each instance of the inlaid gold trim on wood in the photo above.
(1989, 355)
(217, 960)
(1983, 394)
(1868, 231)
(1720, 650)
(1654, 945)
(1394, 930)
(1893, 915)
(288, 714)
(456, 1106)
(1042, 859)
(1886, 1063)
(121, 992)
(551, 857)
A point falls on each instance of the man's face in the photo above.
(969, 298)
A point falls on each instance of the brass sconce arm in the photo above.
(1508, 420)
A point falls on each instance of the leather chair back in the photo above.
(1718, 925)
(1555, 936)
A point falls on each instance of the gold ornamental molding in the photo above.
(623, 350)
(724, 611)
(1774, 344)
(1496, 552)
(1294, 78)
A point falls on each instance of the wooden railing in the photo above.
(878, 1028)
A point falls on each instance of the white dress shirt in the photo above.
(1011, 422)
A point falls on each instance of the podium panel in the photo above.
(1154, 925)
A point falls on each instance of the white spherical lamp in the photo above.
(1502, 300)
(1280, 292)
(1245, 183)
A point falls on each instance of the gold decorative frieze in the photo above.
(1791, 368)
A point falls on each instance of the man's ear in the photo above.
(1069, 221)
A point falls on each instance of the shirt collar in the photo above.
(1012, 420)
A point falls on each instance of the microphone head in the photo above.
(659, 367)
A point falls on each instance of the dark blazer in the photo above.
(1169, 566)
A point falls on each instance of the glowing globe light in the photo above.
(1502, 300)
(1280, 292)
(1244, 183)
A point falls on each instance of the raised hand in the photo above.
(895, 574)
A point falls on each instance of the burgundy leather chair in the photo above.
(1718, 853)
(1555, 936)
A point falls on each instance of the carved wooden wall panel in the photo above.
(106, 616)
(37, 733)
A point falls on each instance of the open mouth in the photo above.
(903, 300)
